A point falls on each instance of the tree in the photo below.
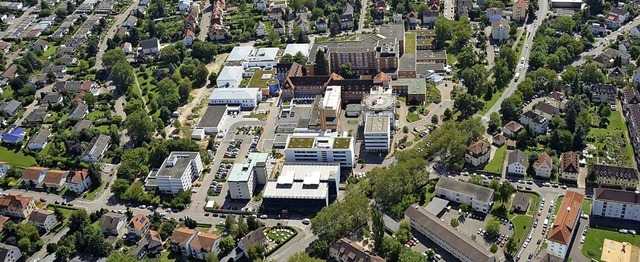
(466, 58)
(122, 75)
(467, 104)
(170, 55)
(166, 229)
(510, 248)
(119, 186)
(408, 255)
(227, 244)
(562, 140)
(494, 248)
(168, 94)
(501, 73)
(112, 57)
(509, 55)
(449, 142)
(58, 213)
(139, 126)
(253, 223)
(475, 79)
(571, 75)
(78, 220)
(256, 252)
(591, 74)
(405, 129)
(435, 119)
(346, 70)
(303, 257)
(322, 65)
(211, 257)
(341, 217)
(200, 75)
(444, 31)
(511, 108)
(454, 222)
(493, 227)
(494, 122)
(378, 228)
(391, 248)
(403, 234)
(203, 51)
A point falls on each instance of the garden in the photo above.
(279, 235)
(609, 139)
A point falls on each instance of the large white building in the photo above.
(230, 77)
(244, 177)
(564, 226)
(320, 147)
(477, 197)
(247, 56)
(380, 101)
(246, 97)
(302, 186)
(615, 203)
(377, 133)
(176, 174)
(448, 238)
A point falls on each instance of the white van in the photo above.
(306, 221)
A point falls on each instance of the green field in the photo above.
(409, 43)
(586, 206)
(534, 204)
(611, 140)
(413, 117)
(521, 226)
(433, 94)
(257, 79)
(595, 238)
(16, 158)
(557, 205)
(497, 162)
(66, 211)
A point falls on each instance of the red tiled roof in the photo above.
(569, 212)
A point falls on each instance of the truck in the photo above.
(516, 76)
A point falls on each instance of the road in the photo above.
(117, 22)
(363, 12)
(522, 67)
(205, 20)
(602, 43)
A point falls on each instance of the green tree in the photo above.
(501, 73)
(166, 229)
(571, 75)
(119, 186)
(322, 65)
(435, 119)
(449, 142)
(170, 55)
(467, 104)
(408, 255)
(211, 257)
(494, 248)
(184, 89)
(227, 244)
(391, 248)
(378, 228)
(200, 75)
(511, 108)
(455, 222)
(78, 220)
(403, 234)
(140, 127)
(346, 70)
(112, 57)
(303, 257)
(493, 227)
(562, 140)
(509, 55)
(122, 75)
(405, 129)
(444, 31)
(168, 94)
(340, 218)
(495, 123)
(466, 58)
(591, 74)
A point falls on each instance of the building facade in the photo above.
(176, 174)
(377, 133)
(563, 228)
(612, 203)
(244, 177)
(477, 197)
(320, 147)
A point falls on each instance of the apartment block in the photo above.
(477, 197)
(620, 204)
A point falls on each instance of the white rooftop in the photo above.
(303, 181)
(264, 54)
(293, 49)
(234, 93)
(230, 73)
(239, 53)
(331, 98)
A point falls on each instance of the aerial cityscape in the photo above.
(315, 130)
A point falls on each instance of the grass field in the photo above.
(410, 43)
(490, 103)
(66, 211)
(586, 206)
(557, 205)
(595, 238)
(534, 204)
(433, 94)
(16, 159)
(611, 141)
(521, 226)
(258, 81)
(412, 117)
(451, 59)
(497, 162)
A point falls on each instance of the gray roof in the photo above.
(150, 43)
(518, 156)
(448, 234)
(436, 205)
(621, 196)
(479, 193)
(79, 110)
(37, 116)
(407, 62)
(51, 98)
(110, 220)
(9, 250)
(97, 146)
(11, 106)
(255, 237)
(520, 201)
(179, 162)
(41, 137)
(82, 124)
(546, 256)
(212, 116)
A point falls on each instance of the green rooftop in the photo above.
(261, 77)
(409, 43)
(341, 142)
(301, 142)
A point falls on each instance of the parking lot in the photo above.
(475, 223)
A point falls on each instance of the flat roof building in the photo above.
(477, 197)
(377, 133)
(441, 233)
(244, 177)
(214, 117)
(176, 174)
(320, 147)
(247, 98)
(302, 186)
(230, 77)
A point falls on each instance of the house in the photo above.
(564, 226)
(275, 13)
(204, 243)
(494, 14)
(636, 76)
(538, 123)
(11, 107)
(10, 73)
(68, 60)
(39, 141)
(517, 163)
(34, 175)
(79, 181)
(261, 29)
(139, 225)
(55, 179)
(188, 37)
(301, 22)
(546, 109)
(623, 14)
(413, 18)
(569, 166)
(4, 167)
(608, 57)
(38, 81)
(96, 148)
(616, 73)
(346, 21)
(603, 93)
(150, 46)
(321, 24)
(303, 11)
(478, 154)
(40, 45)
(431, 16)
(177, 172)
(279, 26)
(3, 220)
(149, 245)
(255, 237)
(13, 135)
(9, 253)
(625, 45)
(617, 204)
(78, 112)
(82, 125)
(612, 21)
(126, 48)
(16, 206)
(5, 46)
(520, 203)
(477, 197)
(261, 4)
(519, 12)
(500, 30)
(131, 21)
(635, 31)
(600, 29)
(345, 250)
(217, 32)
(615, 176)
(463, 7)
(111, 223)
(181, 239)
(52, 98)
(43, 219)
(498, 140)
(544, 165)
(59, 71)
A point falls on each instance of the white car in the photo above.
(306, 221)
(582, 240)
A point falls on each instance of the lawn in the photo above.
(497, 162)
(203, 227)
(409, 43)
(534, 204)
(612, 147)
(490, 103)
(303, 142)
(341, 142)
(521, 226)
(595, 238)
(66, 211)
(51, 51)
(557, 205)
(261, 117)
(261, 77)
(16, 159)
(586, 206)
(433, 94)
(91, 194)
(413, 117)
(451, 59)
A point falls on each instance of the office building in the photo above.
(302, 187)
(377, 133)
(448, 238)
(176, 174)
(477, 197)
(615, 203)
(244, 177)
(320, 147)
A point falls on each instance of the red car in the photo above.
(539, 212)
(42, 199)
